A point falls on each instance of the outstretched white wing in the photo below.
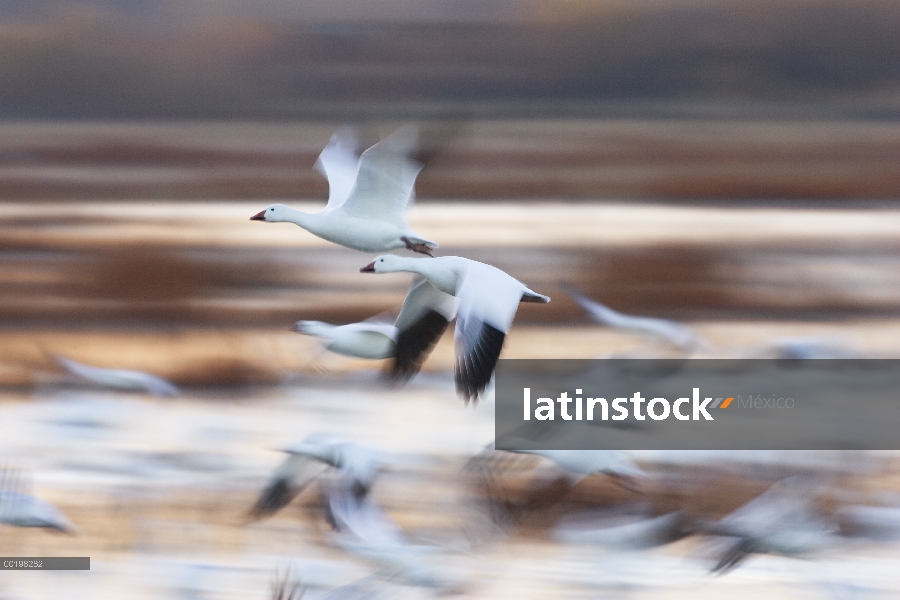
(488, 300)
(421, 298)
(339, 163)
(385, 179)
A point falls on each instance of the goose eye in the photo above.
(272, 209)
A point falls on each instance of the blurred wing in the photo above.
(339, 163)
(20, 510)
(288, 480)
(361, 516)
(155, 385)
(487, 306)
(424, 317)
(360, 464)
(787, 504)
(636, 535)
(385, 180)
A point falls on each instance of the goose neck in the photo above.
(297, 217)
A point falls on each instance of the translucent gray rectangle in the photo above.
(701, 404)
(45, 563)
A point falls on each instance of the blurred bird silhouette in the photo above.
(634, 532)
(364, 530)
(306, 460)
(119, 379)
(677, 334)
(783, 520)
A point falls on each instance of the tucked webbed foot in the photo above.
(420, 248)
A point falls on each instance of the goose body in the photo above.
(360, 340)
(487, 302)
(368, 197)
(422, 321)
(121, 379)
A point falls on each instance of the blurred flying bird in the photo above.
(422, 320)
(119, 379)
(366, 531)
(488, 299)
(367, 203)
(679, 335)
(306, 460)
(582, 463)
(637, 533)
(783, 520)
(22, 510)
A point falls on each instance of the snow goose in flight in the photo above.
(307, 460)
(364, 529)
(424, 317)
(781, 521)
(22, 510)
(681, 336)
(367, 203)
(488, 299)
(120, 379)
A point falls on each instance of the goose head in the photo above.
(274, 213)
(387, 264)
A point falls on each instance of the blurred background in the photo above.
(731, 164)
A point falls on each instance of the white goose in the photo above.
(367, 200)
(488, 299)
(424, 317)
(121, 379)
(681, 336)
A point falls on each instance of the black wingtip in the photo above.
(275, 497)
(732, 557)
(414, 344)
(474, 369)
